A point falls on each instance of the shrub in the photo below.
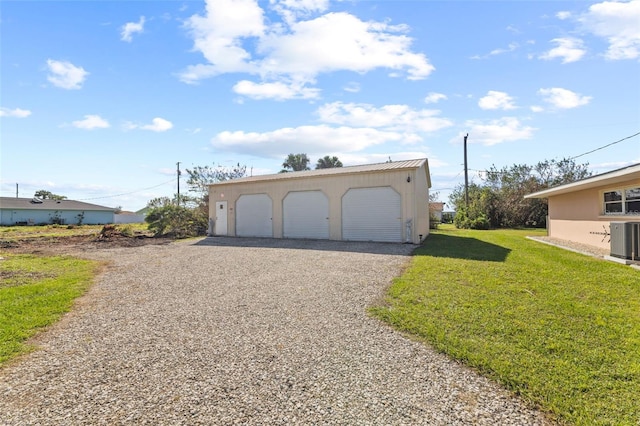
(473, 220)
(176, 221)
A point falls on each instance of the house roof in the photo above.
(367, 168)
(37, 204)
(609, 178)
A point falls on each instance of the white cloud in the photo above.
(347, 129)
(506, 129)
(66, 75)
(562, 15)
(305, 5)
(131, 28)
(91, 122)
(340, 41)
(513, 29)
(569, 49)
(496, 100)
(536, 108)
(352, 87)
(389, 117)
(219, 35)
(617, 22)
(298, 49)
(16, 112)
(279, 91)
(499, 51)
(563, 98)
(294, 9)
(313, 140)
(157, 125)
(433, 98)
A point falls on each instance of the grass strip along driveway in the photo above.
(560, 329)
(34, 293)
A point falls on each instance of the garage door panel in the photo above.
(306, 215)
(372, 214)
(254, 216)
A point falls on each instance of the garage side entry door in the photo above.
(306, 215)
(253, 216)
(372, 214)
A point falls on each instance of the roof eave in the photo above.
(608, 178)
(343, 171)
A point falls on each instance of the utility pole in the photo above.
(16, 190)
(178, 171)
(466, 173)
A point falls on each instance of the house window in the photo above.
(632, 201)
(622, 201)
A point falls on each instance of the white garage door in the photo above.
(253, 216)
(306, 215)
(372, 214)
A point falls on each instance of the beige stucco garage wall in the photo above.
(411, 184)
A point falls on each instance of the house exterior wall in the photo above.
(414, 197)
(421, 198)
(128, 218)
(10, 217)
(579, 216)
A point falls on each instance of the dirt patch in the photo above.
(108, 238)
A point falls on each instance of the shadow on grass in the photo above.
(438, 245)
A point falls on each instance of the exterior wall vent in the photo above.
(625, 240)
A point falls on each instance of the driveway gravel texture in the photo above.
(226, 331)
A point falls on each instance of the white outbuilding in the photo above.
(387, 202)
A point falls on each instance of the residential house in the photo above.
(582, 211)
(34, 211)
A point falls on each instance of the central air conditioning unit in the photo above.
(625, 240)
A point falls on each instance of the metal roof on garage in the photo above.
(37, 204)
(367, 168)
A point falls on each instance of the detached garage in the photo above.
(378, 202)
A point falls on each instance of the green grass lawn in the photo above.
(560, 329)
(35, 292)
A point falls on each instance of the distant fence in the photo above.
(128, 218)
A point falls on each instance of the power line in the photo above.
(570, 158)
(605, 146)
(126, 193)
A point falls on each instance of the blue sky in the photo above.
(100, 99)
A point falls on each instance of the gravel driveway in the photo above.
(244, 331)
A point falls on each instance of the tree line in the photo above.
(498, 200)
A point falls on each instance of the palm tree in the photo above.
(295, 163)
(327, 162)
